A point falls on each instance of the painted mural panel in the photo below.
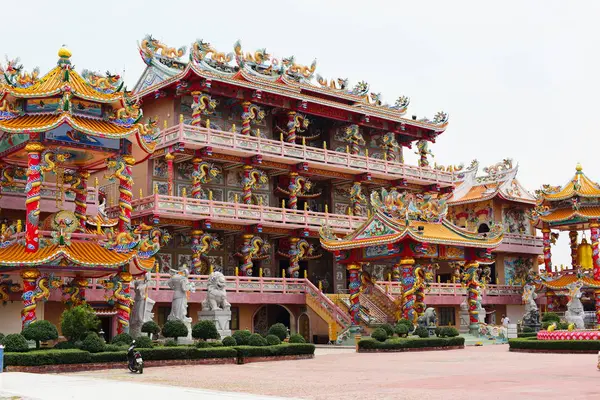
(516, 270)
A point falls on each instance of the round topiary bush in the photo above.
(15, 342)
(144, 342)
(205, 330)
(151, 327)
(202, 344)
(388, 329)
(170, 343)
(122, 338)
(228, 341)
(40, 331)
(297, 338)
(379, 334)
(409, 325)
(279, 330)
(93, 343)
(449, 331)
(401, 330)
(422, 332)
(174, 329)
(241, 337)
(438, 331)
(272, 340)
(257, 340)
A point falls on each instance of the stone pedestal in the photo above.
(221, 318)
(463, 316)
(186, 340)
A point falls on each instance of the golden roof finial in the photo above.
(63, 52)
(578, 168)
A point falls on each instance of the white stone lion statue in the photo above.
(216, 298)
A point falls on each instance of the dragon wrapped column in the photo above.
(196, 111)
(28, 313)
(354, 270)
(595, 250)
(75, 291)
(247, 185)
(246, 117)
(125, 194)
(407, 266)
(123, 301)
(171, 174)
(80, 189)
(293, 188)
(196, 252)
(597, 303)
(32, 204)
(196, 184)
(247, 255)
(547, 253)
(294, 254)
(357, 198)
(291, 125)
(396, 272)
(472, 294)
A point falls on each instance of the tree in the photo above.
(93, 343)
(205, 330)
(174, 329)
(151, 327)
(77, 322)
(15, 342)
(40, 331)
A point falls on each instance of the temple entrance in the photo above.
(106, 325)
(268, 315)
(304, 327)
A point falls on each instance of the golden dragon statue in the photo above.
(109, 83)
(296, 70)
(129, 113)
(204, 173)
(202, 244)
(201, 51)
(7, 286)
(253, 249)
(253, 178)
(15, 76)
(335, 84)
(406, 306)
(260, 56)
(151, 46)
(50, 158)
(7, 107)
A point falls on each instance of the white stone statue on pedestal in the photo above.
(464, 317)
(481, 313)
(142, 306)
(215, 307)
(575, 313)
(181, 286)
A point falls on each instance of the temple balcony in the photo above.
(184, 208)
(13, 197)
(524, 244)
(195, 138)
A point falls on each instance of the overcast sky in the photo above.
(519, 79)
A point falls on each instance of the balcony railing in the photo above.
(13, 197)
(246, 214)
(453, 289)
(526, 243)
(195, 137)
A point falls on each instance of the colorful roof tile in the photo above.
(580, 185)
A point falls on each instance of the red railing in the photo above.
(453, 289)
(196, 137)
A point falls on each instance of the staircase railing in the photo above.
(325, 304)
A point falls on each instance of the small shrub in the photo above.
(202, 344)
(78, 344)
(550, 316)
(546, 324)
(563, 325)
(122, 338)
(77, 322)
(1, 337)
(228, 341)
(257, 340)
(388, 329)
(112, 347)
(379, 334)
(144, 342)
(241, 337)
(151, 327)
(64, 346)
(279, 330)
(170, 343)
(216, 343)
(40, 331)
(205, 330)
(15, 342)
(93, 343)
(438, 331)
(422, 332)
(449, 331)
(408, 324)
(272, 340)
(297, 338)
(401, 330)
(174, 329)
(528, 329)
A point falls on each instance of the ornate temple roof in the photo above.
(92, 104)
(259, 71)
(400, 216)
(562, 282)
(500, 180)
(571, 206)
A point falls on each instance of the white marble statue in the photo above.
(481, 313)
(142, 305)
(532, 315)
(575, 313)
(181, 286)
(216, 297)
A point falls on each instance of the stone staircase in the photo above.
(338, 320)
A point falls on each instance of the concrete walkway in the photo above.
(23, 386)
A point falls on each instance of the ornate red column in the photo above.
(123, 302)
(80, 188)
(596, 261)
(125, 194)
(573, 240)
(357, 198)
(291, 125)
(354, 270)
(32, 204)
(407, 267)
(246, 118)
(170, 157)
(29, 277)
(196, 184)
(247, 255)
(472, 294)
(294, 254)
(547, 253)
(294, 188)
(196, 253)
(396, 272)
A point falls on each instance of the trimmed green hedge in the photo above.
(533, 343)
(527, 335)
(400, 343)
(285, 349)
(48, 357)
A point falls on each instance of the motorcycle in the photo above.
(134, 359)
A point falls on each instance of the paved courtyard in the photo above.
(489, 372)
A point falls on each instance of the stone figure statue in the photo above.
(481, 313)
(575, 313)
(532, 315)
(429, 318)
(216, 298)
(181, 286)
(142, 306)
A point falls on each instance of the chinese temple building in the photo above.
(574, 207)
(56, 130)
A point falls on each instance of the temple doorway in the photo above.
(270, 314)
(304, 327)
(106, 326)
